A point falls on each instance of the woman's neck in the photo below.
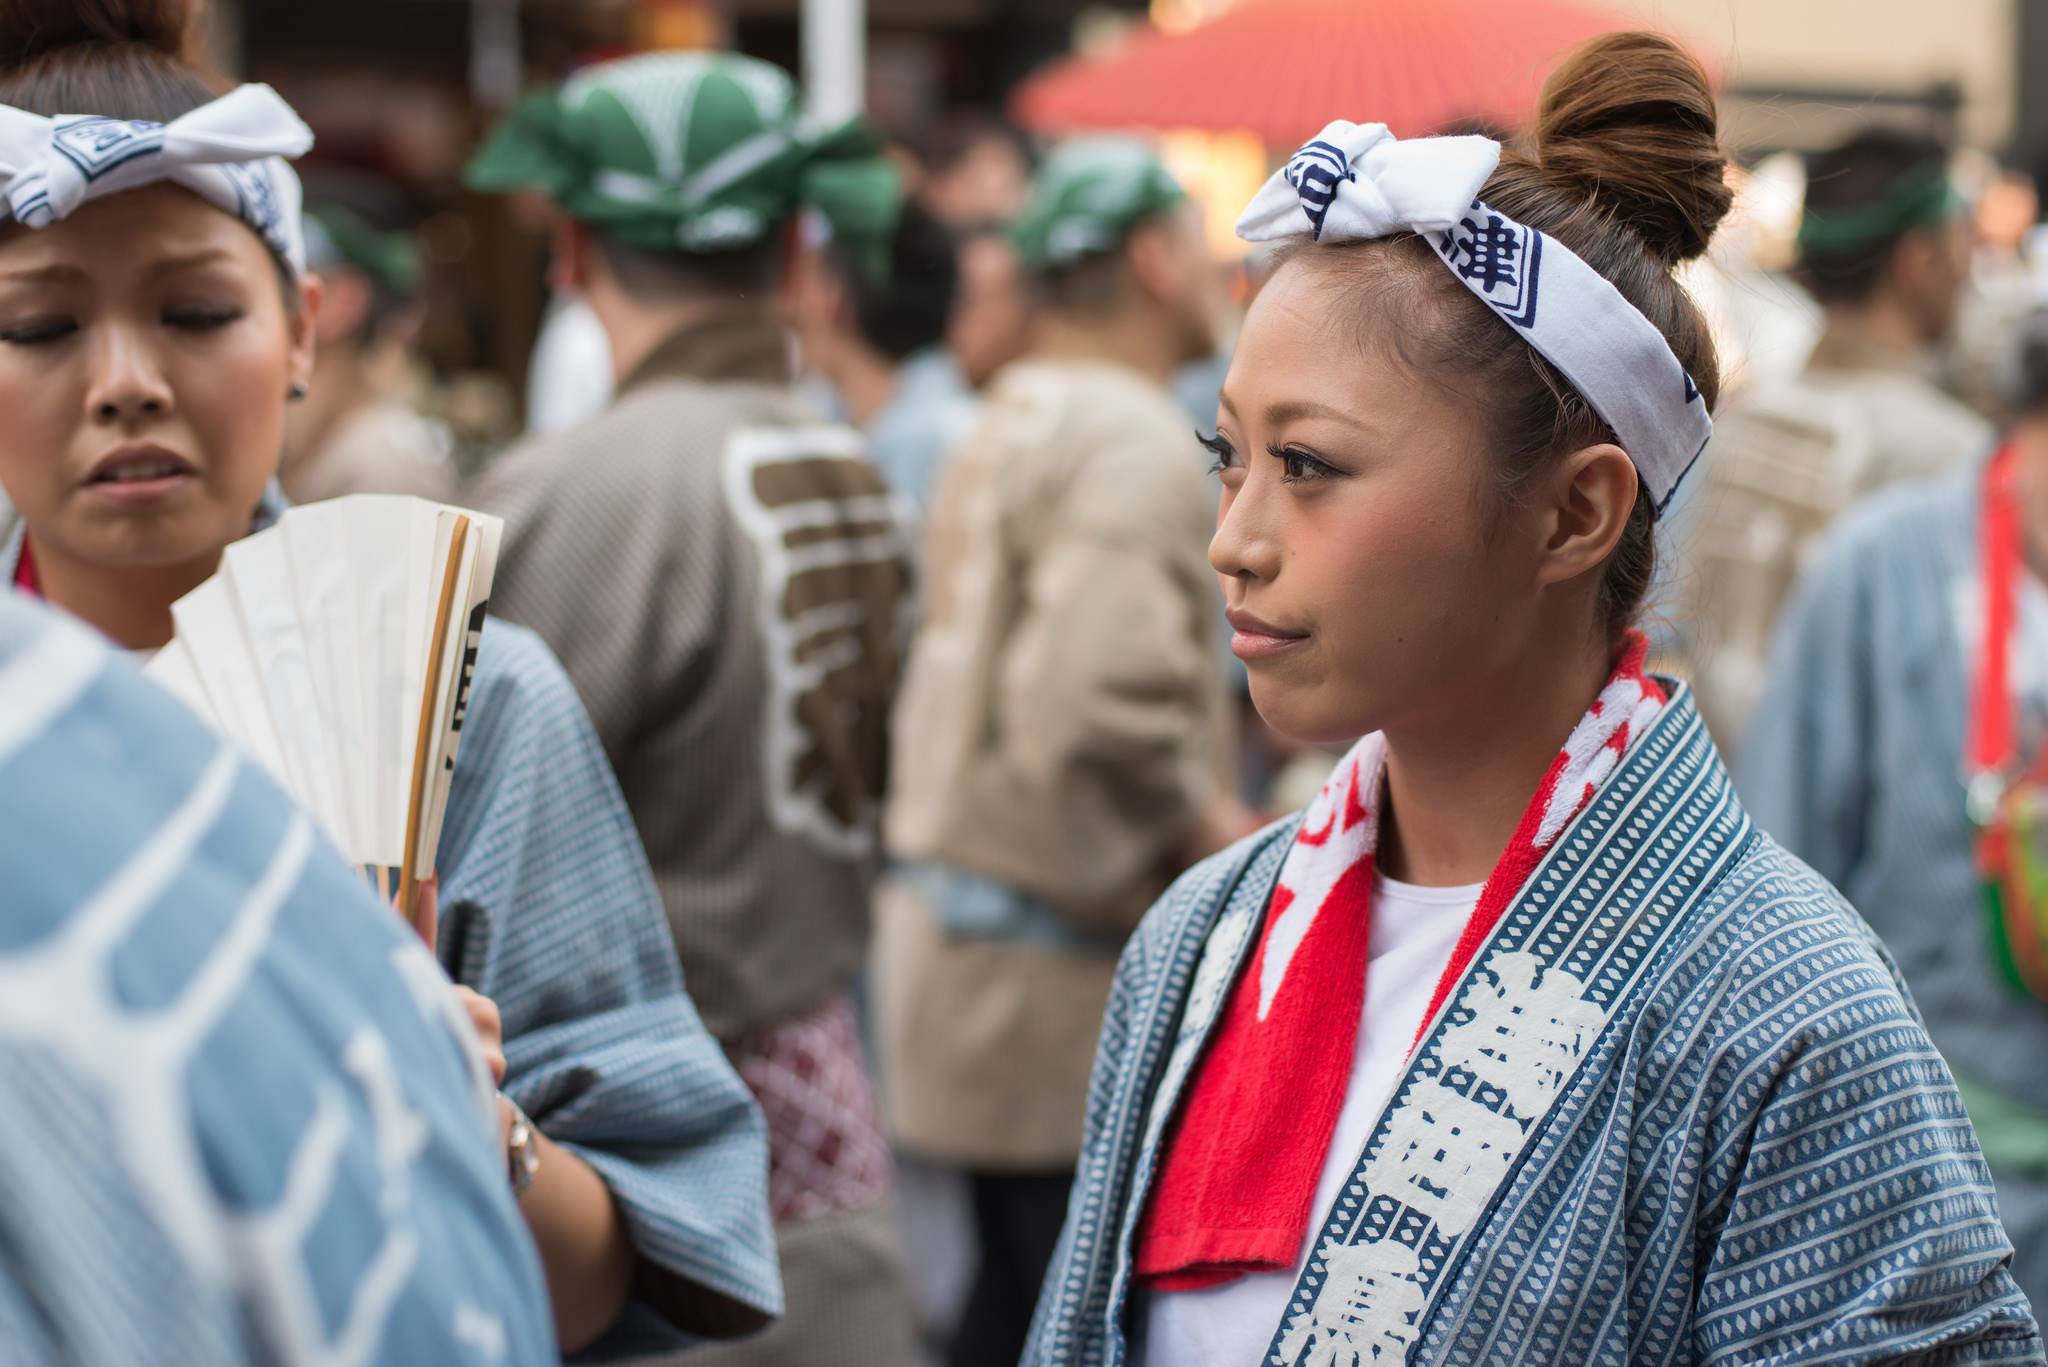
(133, 607)
(1460, 779)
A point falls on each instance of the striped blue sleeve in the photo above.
(1846, 1213)
(549, 909)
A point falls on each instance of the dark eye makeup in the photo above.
(1223, 451)
(1299, 466)
(196, 318)
(38, 331)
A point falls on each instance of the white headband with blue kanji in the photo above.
(1357, 181)
(230, 152)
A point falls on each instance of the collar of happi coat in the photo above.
(731, 344)
(1515, 1040)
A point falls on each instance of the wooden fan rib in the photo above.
(408, 881)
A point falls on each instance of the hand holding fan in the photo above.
(336, 649)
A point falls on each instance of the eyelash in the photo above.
(203, 320)
(55, 330)
(1298, 465)
(40, 333)
(1219, 448)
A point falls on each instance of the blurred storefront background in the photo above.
(400, 89)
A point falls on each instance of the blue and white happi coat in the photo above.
(244, 1123)
(1679, 1110)
(548, 908)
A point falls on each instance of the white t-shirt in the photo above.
(1414, 930)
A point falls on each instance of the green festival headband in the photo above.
(1087, 197)
(1921, 197)
(693, 153)
(339, 236)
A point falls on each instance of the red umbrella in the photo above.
(1283, 68)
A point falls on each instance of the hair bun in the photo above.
(1629, 120)
(33, 29)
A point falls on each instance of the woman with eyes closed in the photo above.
(155, 318)
(1521, 1044)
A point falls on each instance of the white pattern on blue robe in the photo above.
(1855, 762)
(240, 1127)
(549, 909)
(1760, 1158)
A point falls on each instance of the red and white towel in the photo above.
(1242, 1164)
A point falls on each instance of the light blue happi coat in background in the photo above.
(1855, 762)
(240, 1123)
(1679, 1110)
(548, 908)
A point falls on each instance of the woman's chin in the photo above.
(141, 545)
(1308, 716)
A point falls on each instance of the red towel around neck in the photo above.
(1245, 1156)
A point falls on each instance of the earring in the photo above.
(295, 393)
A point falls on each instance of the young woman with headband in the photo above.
(155, 316)
(1521, 1044)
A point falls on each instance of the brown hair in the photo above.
(1625, 168)
(126, 59)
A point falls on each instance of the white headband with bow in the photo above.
(230, 152)
(1355, 182)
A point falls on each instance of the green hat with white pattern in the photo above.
(691, 153)
(1088, 196)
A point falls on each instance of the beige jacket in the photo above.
(723, 578)
(1786, 459)
(1061, 724)
(381, 448)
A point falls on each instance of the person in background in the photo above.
(236, 1090)
(153, 325)
(994, 313)
(976, 169)
(723, 577)
(1060, 746)
(1906, 763)
(355, 432)
(1885, 247)
(873, 331)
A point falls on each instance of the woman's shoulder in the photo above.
(516, 670)
(1777, 962)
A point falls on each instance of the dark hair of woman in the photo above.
(126, 59)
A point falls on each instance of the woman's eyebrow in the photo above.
(55, 273)
(171, 265)
(1291, 410)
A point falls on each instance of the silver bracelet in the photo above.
(522, 1150)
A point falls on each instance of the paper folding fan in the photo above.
(336, 649)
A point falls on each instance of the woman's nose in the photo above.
(1246, 544)
(129, 384)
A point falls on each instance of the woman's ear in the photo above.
(304, 324)
(1591, 495)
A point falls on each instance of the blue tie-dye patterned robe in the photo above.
(240, 1125)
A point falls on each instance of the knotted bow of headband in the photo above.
(230, 152)
(1356, 182)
